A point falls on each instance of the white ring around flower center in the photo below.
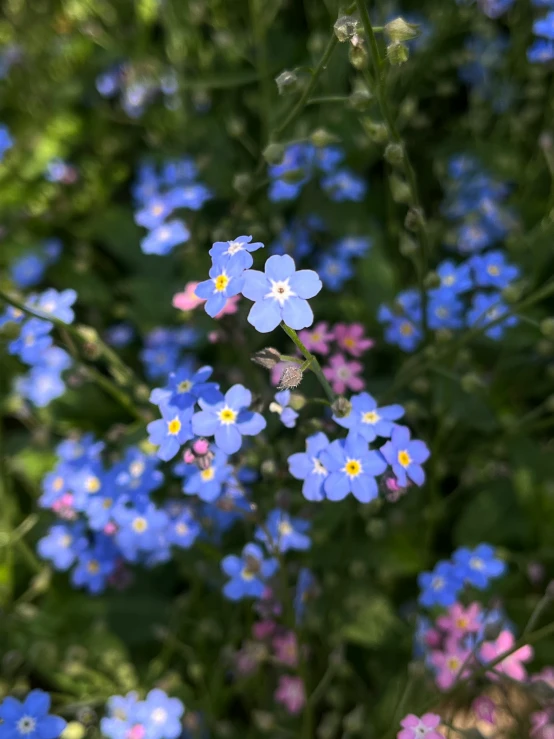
(280, 291)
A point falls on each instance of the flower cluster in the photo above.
(302, 162)
(542, 49)
(163, 348)
(34, 345)
(156, 717)
(474, 205)
(137, 87)
(159, 195)
(28, 270)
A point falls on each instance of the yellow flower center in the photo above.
(404, 458)
(349, 342)
(227, 416)
(493, 270)
(208, 474)
(182, 529)
(157, 210)
(406, 329)
(92, 485)
(93, 567)
(462, 623)
(174, 426)
(58, 484)
(140, 525)
(316, 336)
(107, 503)
(370, 417)
(353, 468)
(221, 282)
(184, 387)
(453, 663)
(247, 574)
(284, 528)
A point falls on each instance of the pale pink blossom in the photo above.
(485, 709)
(290, 693)
(188, 457)
(546, 675)
(317, 339)
(460, 621)
(110, 528)
(415, 727)
(263, 629)
(136, 732)
(343, 375)
(450, 663)
(542, 723)
(187, 300)
(351, 338)
(432, 638)
(286, 649)
(512, 665)
(63, 507)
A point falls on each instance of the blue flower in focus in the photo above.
(280, 294)
(489, 308)
(334, 270)
(226, 280)
(62, 544)
(280, 405)
(248, 573)
(282, 533)
(236, 251)
(163, 239)
(27, 271)
(440, 587)
(186, 387)
(32, 342)
(492, 270)
(207, 483)
(29, 718)
(478, 566)
(308, 466)
(171, 431)
(406, 456)
(6, 141)
(229, 419)
(352, 469)
(56, 304)
(344, 185)
(369, 421)
(161, 715)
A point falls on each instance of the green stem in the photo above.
(380, 92)
(314, 364)
(541, 606)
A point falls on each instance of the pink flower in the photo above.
(136, 732)
(417, 728)
(290, 693)
(64, 507)
(432, 638)
(484, 708)
(460, 620)
(512, 665)
(342, 374)
(188, 457)
(286, 649)
(543, 725)
(317, 338)
(263, 629)
(546, 675)
(351, 338)
(449, 663)
(187, 300)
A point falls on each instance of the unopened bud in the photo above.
(345, 27)
(73, 730)
(377, 132)
(291, 377)
(400, 30)
(397, 53)
(431, 280)
(341, 407)
(394, 154)
(357, 56)
(360, 99)
(293, 176)
(408, 246)
(415, 219)
(273, 153)
(242, 183)
(320, 138)
(471, 382)
(400, 189)
(547, 327)
(512, 293)
(287, 82)
(297, 401)
(235, 127)
(267, 357)
(91, 341)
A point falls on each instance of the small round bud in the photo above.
(267, 357)
(471, 382)
(294, 175)
(358, 56)
(377, 132)
(235, 127)
(397, 53)
(287, 82)
(400, 189)
(345, 27)
(297, 401)
(408, 246)
(415, 219)
(399, 30)
(547, 327)
(320, 138)
(360, 99)
(242, 183)
(273, 153)
(432, 281)
(394, 154)
(341, 407)
(73, 730)
(291, 377)
(512, 293)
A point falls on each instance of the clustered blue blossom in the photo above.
(542, 49)
(158, 716)
(30, 718)
(28, 269)
(136, 90)
(163, 350)
(34, 345)
(484, 70)
(474, 567)
(159, 195)
(480, 220)
(302, 162)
